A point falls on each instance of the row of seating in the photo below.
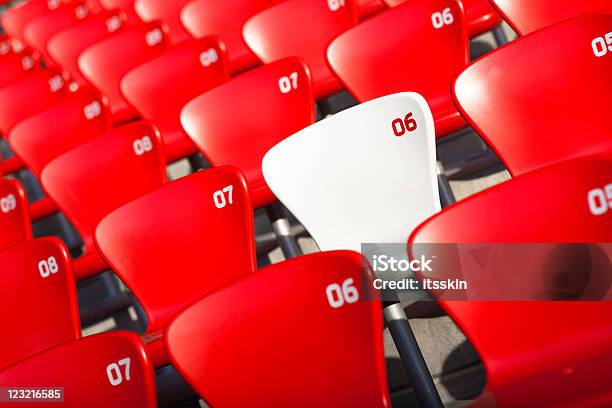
(112, 93)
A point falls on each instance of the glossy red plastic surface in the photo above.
(515, 100)
(358, 55)
(29, 96)
(525, 16)
(224, 19)
(367, 8)
(42, 208)
(14, 221)
(11, 165)
(106, 62)
(37, 32)
(175, 244)
(15, 66)
(16, 17)
(77, 118)
(126, 6)
(267, 116)
(535, 353)
(161, 87)
(85, 369)
(91, 180)
(167, 11)
(293, 334)
(39, 299)
(65, 46)
(480, 15)
(286, 30)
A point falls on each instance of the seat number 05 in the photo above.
(602, 45)
(600, 200)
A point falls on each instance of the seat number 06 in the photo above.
(400, 127)
(338, 295)
(440, 19)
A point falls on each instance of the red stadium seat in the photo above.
(65, 46)
(106, 62)
(17, 17)
(271, 102)
(15, 66)
(286, 30)
(126, 6)
(536, 353)
(480, 16)
(38, 298)
(29, 96)
(167, 11)
(358, 55)
(336, 346)
(367, 8)
(160, 88)
(532, 129)
(170, 250)
(14, 221)
(94, 6)
(90, 181)
(64, 125)
(525, 16)
(37, 32)
(224, 19)
(106, 370)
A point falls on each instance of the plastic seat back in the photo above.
(126, 6)
(39, 299)
(106, 62)
(92, 180)
(161, 87)
(358, 55)
(28, 96)
(65, 46)
(224, 19)
(367, 8)
(104, 370)
(531, 129)
(15, 66)
(324, 173)
(38, 31)
(273, 101)
(14, 220)
(17, 17)
(72, 121)
(285, 30)
(525, 16)
(181, 241)
(480, 15)
(340, 345)
(527, 347)
(167, 11)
